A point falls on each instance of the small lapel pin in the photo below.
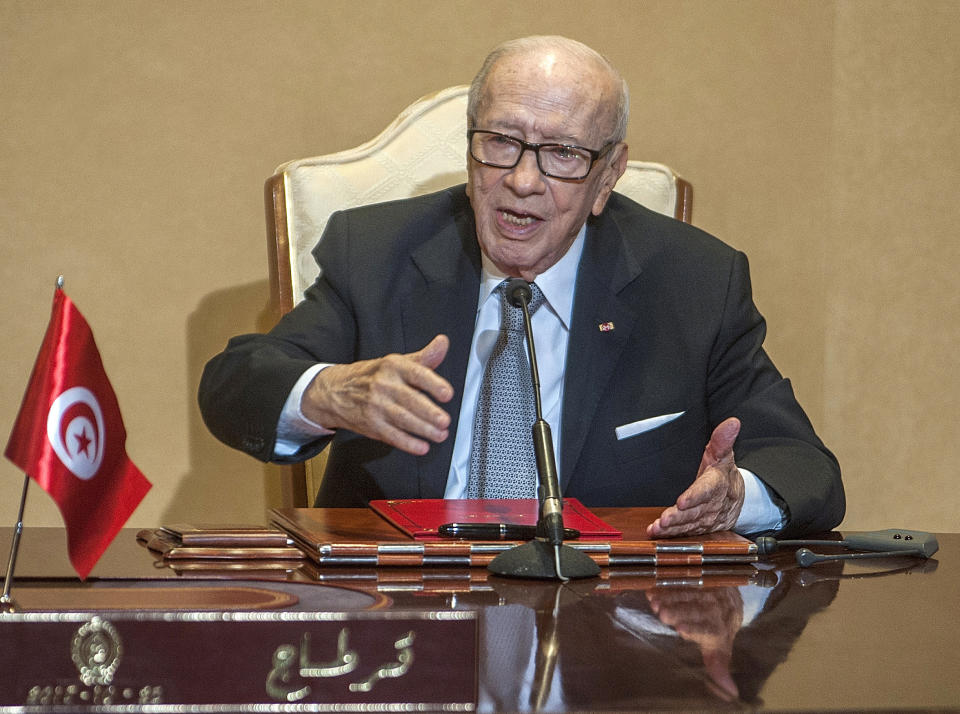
(606, 327)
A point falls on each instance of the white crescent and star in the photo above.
(75, 430)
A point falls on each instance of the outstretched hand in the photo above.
(392, 399)
(714, 499)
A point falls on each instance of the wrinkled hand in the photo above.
(391, 399)
(710, 618)
(714, 499)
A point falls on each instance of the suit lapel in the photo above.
(444, 302)
(601, 327)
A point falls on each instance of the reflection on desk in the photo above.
(770, 635)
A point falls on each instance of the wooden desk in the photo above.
(877, 635)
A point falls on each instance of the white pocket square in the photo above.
(639, 427)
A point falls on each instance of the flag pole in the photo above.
(6, 601)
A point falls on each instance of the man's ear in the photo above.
(616, 165)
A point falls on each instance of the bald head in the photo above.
(551, 53)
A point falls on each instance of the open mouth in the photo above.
(520, 220)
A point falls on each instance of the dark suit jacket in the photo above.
(687, 338)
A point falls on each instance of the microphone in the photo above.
(518, 292)
(531, 559)
(550, 525)
(878, 544)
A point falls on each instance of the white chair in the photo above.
(424, 149)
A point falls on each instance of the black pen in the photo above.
(496, 531)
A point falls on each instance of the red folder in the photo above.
(421, 517)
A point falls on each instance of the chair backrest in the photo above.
(424, 149)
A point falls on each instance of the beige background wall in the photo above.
(821, 138)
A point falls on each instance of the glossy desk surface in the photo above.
(861, 635)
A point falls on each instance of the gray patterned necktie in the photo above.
(502, 462)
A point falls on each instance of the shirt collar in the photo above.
(556, 283)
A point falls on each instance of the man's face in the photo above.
(526, 221)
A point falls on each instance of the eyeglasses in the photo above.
(562, 161)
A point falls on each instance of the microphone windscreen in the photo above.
(767, 545)
(518, 292)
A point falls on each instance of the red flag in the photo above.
(69, 437)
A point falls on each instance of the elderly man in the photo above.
(649, 342)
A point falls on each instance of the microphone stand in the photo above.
(545, 557)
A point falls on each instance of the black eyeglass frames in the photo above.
(562, 161)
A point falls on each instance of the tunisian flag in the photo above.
(69, 437)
